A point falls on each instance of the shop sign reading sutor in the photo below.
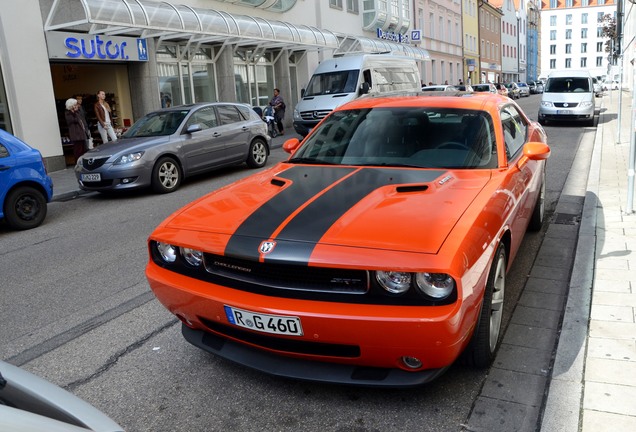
(83, 46)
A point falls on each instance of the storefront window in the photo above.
(254, 79)
(5, 121)
(169, 85)
(187, 88)
(204, 82)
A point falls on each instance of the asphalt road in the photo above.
(77, 310)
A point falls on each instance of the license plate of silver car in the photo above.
(91, 177)
(564, 111)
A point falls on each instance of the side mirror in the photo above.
(291, 145)
(194, 128)
(364, 88)
(302, 93)
(534, 151)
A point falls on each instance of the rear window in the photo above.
(568, 85)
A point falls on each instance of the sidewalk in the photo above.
(593, 383)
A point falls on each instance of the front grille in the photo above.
(314, 115)
(284, 344)
(93, 163)
(290, 277)
(569, 104)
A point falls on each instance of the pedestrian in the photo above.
(103, 113)
(77, 129)
(278, 104)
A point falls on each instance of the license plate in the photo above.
(91, 177)
(273, 324)
(564, 111)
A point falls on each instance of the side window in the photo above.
(3, 151)
(206, 117)
(228, 114)
(515, 130)
(245, 111)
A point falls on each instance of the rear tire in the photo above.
(483, 345)
(166, 175)
(538, 214)
(25, 208)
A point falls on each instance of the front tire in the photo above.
(481, 350)
(166, 175)
(25, 208)
(257, 154)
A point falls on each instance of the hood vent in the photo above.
(412, 188)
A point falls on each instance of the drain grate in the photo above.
(567, 219)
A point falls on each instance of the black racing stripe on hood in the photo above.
(299, 237)
(307, 181)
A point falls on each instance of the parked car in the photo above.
(324, 267)
(539, 87)
(465, 88)
(442, 87)
(568, 96)
(25, 186)
(513, 90)
(610, 85)
(532, 86)
(487, 87)
(29, 403)
(502, 89)
(524, 90)
(166, 146)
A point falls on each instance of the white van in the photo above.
(568, 96)
(342, 79)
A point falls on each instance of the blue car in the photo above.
(25, 186)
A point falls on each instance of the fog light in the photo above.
(127, 180)
(411, 362)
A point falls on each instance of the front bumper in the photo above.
(116, 177)
(340, 343)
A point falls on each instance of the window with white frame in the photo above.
(583, 62)
(552, 34)
(568, 48)
(568, 33)
(554, 4)
(552, 63)
(599, 31)
(568, 19)
(568, 3)
(583, 33)
(335, 4)
(584, 18)
(552, 49)
(599, 46)
(553, 20)
(568, 63)
(599, 61)
(584, 47)
(353, 6)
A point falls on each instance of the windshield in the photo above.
(422, 137)
(157, 124)
(568, 85)
(332, 83)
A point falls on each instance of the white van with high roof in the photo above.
(342, 79)
(568, 96)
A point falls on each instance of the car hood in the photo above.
(300, 206)
(127, 145)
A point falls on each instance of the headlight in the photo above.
(296, 114)
(192, 256)
(546, 104)
(586, 104)
(128, 158)
(394, 282)
(167, 252)
(435, 285)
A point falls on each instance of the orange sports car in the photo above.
(375, 255)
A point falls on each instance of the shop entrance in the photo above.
(86, 79)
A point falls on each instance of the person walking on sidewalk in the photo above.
(103, 114)
(279, 110)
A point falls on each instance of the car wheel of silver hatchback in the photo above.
(257, 155)
(166, 175)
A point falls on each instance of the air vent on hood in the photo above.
(278, 182)
(412, 188)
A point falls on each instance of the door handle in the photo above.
(4, 167)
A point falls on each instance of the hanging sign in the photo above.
(88, 47)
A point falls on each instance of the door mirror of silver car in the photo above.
(194, 128)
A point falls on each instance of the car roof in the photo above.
(462, 100)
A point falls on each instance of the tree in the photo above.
(610, 31)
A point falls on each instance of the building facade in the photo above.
(571, 35)
(149, 54)
(490, 41)
(472, 63)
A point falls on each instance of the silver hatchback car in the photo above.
(165, 146)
